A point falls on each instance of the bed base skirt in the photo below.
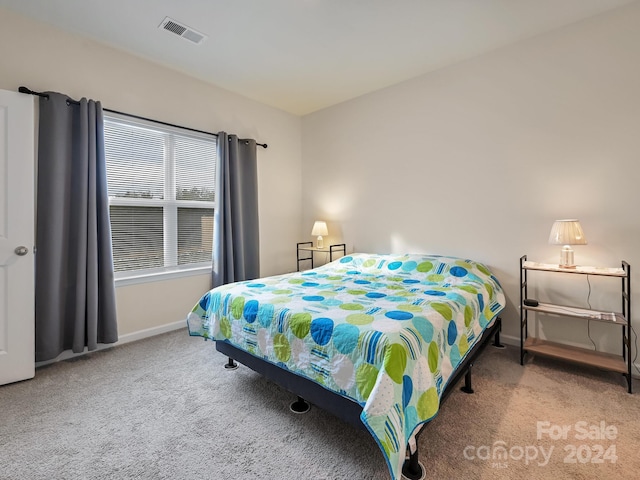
(345, 408)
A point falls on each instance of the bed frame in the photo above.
(345, 408)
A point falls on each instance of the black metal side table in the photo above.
(308, 247)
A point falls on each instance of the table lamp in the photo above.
(319, 229)
(567, 232)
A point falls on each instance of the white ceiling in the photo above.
(304, 55)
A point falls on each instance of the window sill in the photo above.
(136, 279)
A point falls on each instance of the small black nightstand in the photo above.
(308, 247)
(528, 344)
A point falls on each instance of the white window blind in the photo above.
(161, 183)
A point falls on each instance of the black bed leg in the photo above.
(496, 338)
(231, 365)
(300, 406)
(412, 468)
(467, 381)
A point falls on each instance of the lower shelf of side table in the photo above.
(607, 361)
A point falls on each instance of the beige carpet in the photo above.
(589, 427)
(164, 408)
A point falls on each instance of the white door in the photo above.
(17, 327)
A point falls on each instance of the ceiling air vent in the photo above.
(181, 30)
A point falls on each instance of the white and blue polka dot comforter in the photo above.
(385, 330)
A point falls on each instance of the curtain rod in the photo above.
(75, 102)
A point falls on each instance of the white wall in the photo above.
(474, 160)
(42, 58)
(478, 159)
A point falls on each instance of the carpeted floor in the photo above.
(165, 408)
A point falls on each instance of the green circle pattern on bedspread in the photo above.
(394, 326)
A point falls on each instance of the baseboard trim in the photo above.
(510, 340)
(150, 332)
(126, 338)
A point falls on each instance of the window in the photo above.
(161, 183)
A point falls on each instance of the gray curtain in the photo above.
(75, 292)
(236, 246)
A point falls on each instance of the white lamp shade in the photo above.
(567, 232)
(320, 228)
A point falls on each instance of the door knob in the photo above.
(21, 251)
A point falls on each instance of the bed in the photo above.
(377, 340)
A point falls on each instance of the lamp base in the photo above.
(567, 267)
(319, 242)
(566, 257)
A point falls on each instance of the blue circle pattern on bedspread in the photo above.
(384, 330)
